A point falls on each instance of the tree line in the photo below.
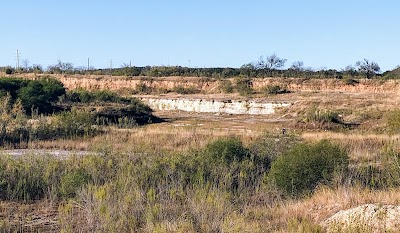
(270, 66)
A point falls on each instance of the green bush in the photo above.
(305, 166)
(12, 85)
(71, 182)
(227, 150)
(21, 180)
(139, 107)
(83, 96)
(73, 124)
(34, 94)
(9, 70)
(53, 88)
(268, 147)
(66, 125)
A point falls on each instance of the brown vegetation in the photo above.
(146, 179)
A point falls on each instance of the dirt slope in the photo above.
(211, 85)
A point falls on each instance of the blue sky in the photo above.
(330, 33)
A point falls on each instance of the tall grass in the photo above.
(219, 187)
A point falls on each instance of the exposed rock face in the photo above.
(369, 217)
(251, 107)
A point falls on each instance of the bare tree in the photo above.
(36, 68)
(297, 66)
(125, 65)
(350, 70)
(369, 68)
(260, 64)
(25, 64)
(274, 62)
(61, 67)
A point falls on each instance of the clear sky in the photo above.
(203, 33)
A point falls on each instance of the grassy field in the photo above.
(210, 173)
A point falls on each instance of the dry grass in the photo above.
(277, 216)
(326, 201)
(262, 212)
(362, 147)
(179, 135)
(33, 217)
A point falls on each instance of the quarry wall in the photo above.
(212, 85)
(209, 85)
(251, 107)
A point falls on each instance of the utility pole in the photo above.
(17, 65)
(130, 64)
(88, 64)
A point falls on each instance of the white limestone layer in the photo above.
(251, 107)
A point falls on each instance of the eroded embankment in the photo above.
(212, 85)
(252, 107)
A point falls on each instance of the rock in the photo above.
(368, 217)
(252, 107)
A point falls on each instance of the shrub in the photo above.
(227, 150)
(268, 147)
(53, 88)
(305, 166)
(38, 94)
(84, 96)
(33, 96)
(73, 124)
(66, 125)
(107, 96)
(142, 88)
(21, 179)
(322, 116)
(9, 70)
(225, 86)
(71, 182)
(244, 86)
(384, 175)
(393, 121)
(273, 90)
(185, 90)
(12, 85)
(350, 81)
(13, 121)
(139, 107)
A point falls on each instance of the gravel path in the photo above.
(60, 154)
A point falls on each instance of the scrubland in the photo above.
(198, 172)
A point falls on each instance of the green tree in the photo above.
(33, 96)
(53, 88)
